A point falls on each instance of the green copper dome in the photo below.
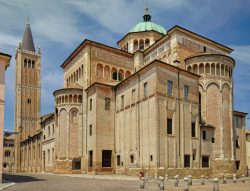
(147, 25)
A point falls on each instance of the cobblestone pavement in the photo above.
(50, 182)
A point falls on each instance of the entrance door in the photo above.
(205, 161)
(186, 161)
(106, 158)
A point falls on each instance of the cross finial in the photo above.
(27, 21)
(147, 16)
(147, 11)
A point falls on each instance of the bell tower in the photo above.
(27, 93)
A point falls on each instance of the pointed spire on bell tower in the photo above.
(27, 42)
(147, 16)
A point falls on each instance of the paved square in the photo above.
(51, 182)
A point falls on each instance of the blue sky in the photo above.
(59, 26)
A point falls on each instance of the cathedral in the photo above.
(161, 102)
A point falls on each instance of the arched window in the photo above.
(207, 69)
(76, 75)
(141, 45)
(106, 72)
(222, 70)
(75, 99)
(135, 45)
(79, 99)
(201, 68)
(25, 63)
(33, 64)
(82, 70)
(189, 69)
(226, 71)
(195, 69)
(121, 73)
(127, 74)
(213, 69)
(116, 76)
(147, 43)
(80, 73)
(70, 98)
(217, 70)
(132, 159)
(114, 73)
(7, 153)
(99, 70)
(29, 64)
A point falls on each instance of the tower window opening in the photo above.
(193, 129)
(147, 43)
(213, 140)
(169, 126)
(145, 85)
(237, 143)
(118, 159)
(131, 158)
(204, 135)
(25, 63)
(29, 64)
(204, 49)
(33, 64)
(29, 101)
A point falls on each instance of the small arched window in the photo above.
(147, 43)
(29, 64)
(33, 64)
(141, 45)
(7, 153)
(116, 76)
(135, 45)
(132, 159)
(25, 63)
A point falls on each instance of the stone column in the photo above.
(161, 182)
(190, 180)
(243, 178)
(234, 178)
(202, 180)
(176, 181)
(215, 184)
(186, 184)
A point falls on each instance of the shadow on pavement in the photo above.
(19, 178)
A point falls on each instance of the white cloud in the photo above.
(242, 53)
(8, 40)
(50, 20)
(117, 16)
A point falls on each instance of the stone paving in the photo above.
(51, 182)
